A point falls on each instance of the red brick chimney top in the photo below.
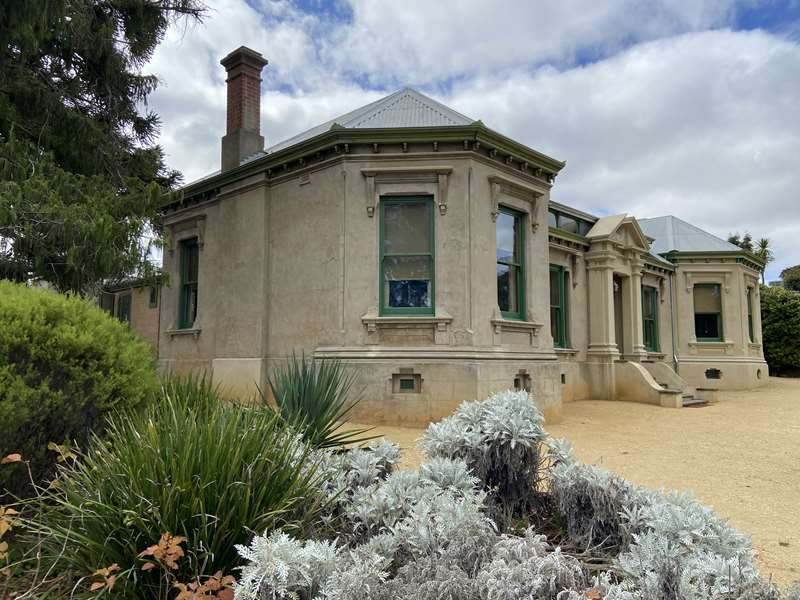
(243, 67)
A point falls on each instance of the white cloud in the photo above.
(669, 119)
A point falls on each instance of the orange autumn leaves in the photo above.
(166, 554)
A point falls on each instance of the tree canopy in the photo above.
(791, 278)
(780, 325)
(80, 165)
(762, 249)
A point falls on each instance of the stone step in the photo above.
(690, 401)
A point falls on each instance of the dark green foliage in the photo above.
(744, 242)
(74, 230)
(780, 328)
(190, 465)
(315, 398)
(85, 170)
(791, 278)
(64, 364)
(71, 70)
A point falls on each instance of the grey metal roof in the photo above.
(404, 108)
(674, 234)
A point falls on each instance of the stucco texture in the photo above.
(739, 456)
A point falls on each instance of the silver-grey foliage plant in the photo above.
(427, 534)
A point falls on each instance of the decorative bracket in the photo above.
(443, 184)
(500, 185)
(370, 195)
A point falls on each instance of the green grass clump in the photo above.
(189, 465)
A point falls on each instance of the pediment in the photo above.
(621, 229)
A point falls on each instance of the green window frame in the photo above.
(707, 317)
(650, 318)
(750, 292)
(189, 267)
(510, 270)
(407, 297)
(559, 312)
(124, 307)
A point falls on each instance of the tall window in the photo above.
(153, 299)
(124, 308)
(559, 317)
(708, 312)
(187, 312)
(510, 242)
(407, 256)
(750, 314)
(650, 317)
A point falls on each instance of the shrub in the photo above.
(780, 328)
(314, 398)
(500, 439)
(590, 500)
(188, 465)
(64, 364)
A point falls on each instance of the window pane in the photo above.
(706, 325)
(191, 302)
(507, 292)
(648, 294)
(566, 223)
(552, 219)
(407, 281)
(707, 299)
(555, 324)
(555, 288)
(406, 228)
(190, 261)
(507, 238)
(584, 227)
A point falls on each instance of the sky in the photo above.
(682, 107)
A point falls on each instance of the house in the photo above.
(135, 302)
(423, 249)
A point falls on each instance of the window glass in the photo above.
(707, 312)
(406, 228)
(124, 308)
(188, 293)
(407, 281)
(552, 219)
(153, 300)
(584, 227)
(407, 262)
(510, 264)
(650, 317)
(567, 224)
(559, 279)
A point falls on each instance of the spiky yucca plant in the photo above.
(315, 397)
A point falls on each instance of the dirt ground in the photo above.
(740, 455)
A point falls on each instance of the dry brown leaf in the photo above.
(593, 594)
(11, 458)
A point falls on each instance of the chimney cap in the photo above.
(244, 55)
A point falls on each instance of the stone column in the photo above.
(600, 276)
(636, 327)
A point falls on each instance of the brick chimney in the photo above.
(243, 133)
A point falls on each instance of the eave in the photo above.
(748, 259)
(473, 137)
